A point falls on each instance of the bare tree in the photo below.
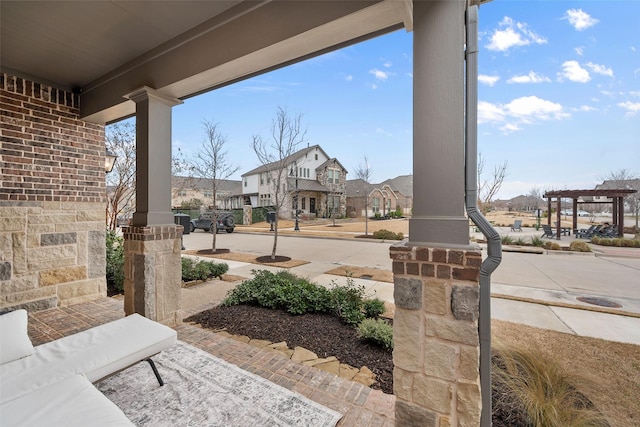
(363, 172)
(488, 188)
(624, 178)
(286, 135)
(121, 141)
(211, 162)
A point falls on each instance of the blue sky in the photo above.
(559, 98)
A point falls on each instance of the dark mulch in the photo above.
(323, 334)
(212, 252)
(266, 259)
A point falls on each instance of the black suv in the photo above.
(204, 221)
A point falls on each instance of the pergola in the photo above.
(615, 196)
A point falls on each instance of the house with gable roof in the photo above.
(314, 184)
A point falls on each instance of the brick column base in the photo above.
(436, 353)
(152, 272)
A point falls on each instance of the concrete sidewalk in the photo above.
(537, 290)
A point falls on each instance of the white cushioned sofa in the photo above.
(50, 384)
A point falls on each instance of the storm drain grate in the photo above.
(366, 276)
(599, 301)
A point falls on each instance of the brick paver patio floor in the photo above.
(360, 405)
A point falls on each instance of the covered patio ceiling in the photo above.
(106, 49)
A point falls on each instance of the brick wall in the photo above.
(52, 198)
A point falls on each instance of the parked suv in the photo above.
(204, 221)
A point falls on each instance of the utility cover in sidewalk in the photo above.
(599, 301)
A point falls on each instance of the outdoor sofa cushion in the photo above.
(14, 339)
(97, 353)
(71, 402)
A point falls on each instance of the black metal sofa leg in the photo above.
(155, 371)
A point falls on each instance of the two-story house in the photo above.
(311, 181)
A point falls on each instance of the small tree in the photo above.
(286, 135)
(211, 162)
(487, 189)
(363, 172)
(121, 141)
(624, 178)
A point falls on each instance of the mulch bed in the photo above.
(321, 333)
(267, 259)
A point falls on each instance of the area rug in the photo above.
(203, 390)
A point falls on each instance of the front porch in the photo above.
(358, 404)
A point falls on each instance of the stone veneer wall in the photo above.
(153, 272)
(436, 344)
(52, 198)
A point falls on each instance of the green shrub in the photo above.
(201, 270)
(398, 212)
(627, 243)
(520, 241)
(377, 215)
(115, 262)
(578, 246)
(373, 308)
(537, 242)
(346, 302)
(506, 240)
(282, 290)
(387, 235)
(376, 331)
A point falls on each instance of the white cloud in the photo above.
(373, 86)
(488, 112)
(488, 80)
(532, 77)
(633, 48)
(579, 50)
(379, 75)
(349, 78)
(512, 34)
(381, 131)
(634, 93)
(585, 108)
(528, 107)
(600, 69)
(573, 71)
(579, 19)
(518, 112)
(631, 107)
(387, 64)
(510, 128)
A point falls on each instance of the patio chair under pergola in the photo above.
(614, 196)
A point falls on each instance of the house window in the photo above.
(182, 193)
(388, 205)
(333, 204)
(316, 156)
(375, 204)
(208, 194)
(308, 173)
(304, 201)
(245, 182)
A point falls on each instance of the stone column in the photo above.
(436, 273)
(436, 355)
(153, 242)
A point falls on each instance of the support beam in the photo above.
(153, 157)
(438, 125)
